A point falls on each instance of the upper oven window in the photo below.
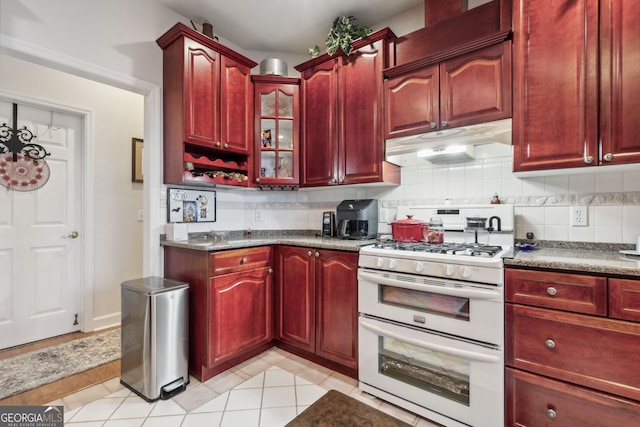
(443, 305)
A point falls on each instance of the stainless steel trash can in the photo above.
(155, 337)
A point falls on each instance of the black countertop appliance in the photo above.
(357, 219)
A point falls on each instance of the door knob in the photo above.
(71, 235)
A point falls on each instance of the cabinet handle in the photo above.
(226, 145)
(218, 144)
(443, 124)
(552, 291)
(550, 343)
(317, 254)
(433, 125)
(243, 261)
(551, 413)
(309, 253)
(588, 160)
(608, 157)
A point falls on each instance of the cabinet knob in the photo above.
(551, 413)
(317, 254)
(588, 160)
(226, 145)
(243, 261)
(550, 343)
(443, 124)
(608, 157)
(552, 291)
(270, 270)
(309, 253)
(218, 144)
(257, 179)
(433, 125)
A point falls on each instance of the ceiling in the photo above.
(291, 26)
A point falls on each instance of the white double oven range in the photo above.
(431, 317)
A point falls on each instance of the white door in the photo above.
(40, 264)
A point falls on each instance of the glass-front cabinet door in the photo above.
(276, 133)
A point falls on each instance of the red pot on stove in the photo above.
(409, 230)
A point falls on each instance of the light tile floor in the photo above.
(266, 391)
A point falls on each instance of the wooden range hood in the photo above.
(448, 26)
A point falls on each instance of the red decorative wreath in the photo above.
(25, 174)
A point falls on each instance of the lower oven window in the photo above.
(444, 305)
(435, 372)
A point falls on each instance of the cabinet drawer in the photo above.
(624, 299)
(595, 352)
(563, 291)
(537, 401)
(238, 260)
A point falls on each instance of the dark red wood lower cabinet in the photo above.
(535, 401)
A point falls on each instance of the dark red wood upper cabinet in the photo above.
(276, 131)
(236, 106)
(466, 89)
(208, 108)
(319, 104)
(620, 81)
(576, 84)
(412, 102)
(342, 115)
(555, 103)
(476, 87)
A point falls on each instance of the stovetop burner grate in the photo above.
(467, 249)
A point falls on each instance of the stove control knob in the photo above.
(393, 263)
(465, 272)
(379, 262)
(448, 270)
(419, 267)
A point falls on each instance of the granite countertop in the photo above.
(210, 244)
(588, 259)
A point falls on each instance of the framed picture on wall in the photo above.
(136, 160)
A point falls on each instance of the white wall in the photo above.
(117, 116)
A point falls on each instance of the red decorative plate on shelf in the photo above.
(25, 174)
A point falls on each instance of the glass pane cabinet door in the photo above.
(277, 141)
(268, 104)
(285, 107)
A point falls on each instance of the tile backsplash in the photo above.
(542, 204)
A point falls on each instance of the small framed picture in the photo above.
(136, 160)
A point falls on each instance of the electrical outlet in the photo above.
(140, 215)
(383, 215)
(579, 216)
(258, 216)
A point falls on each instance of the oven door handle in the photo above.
(466, 292)
(465, 354)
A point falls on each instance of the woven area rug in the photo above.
(337, 409)
(36, 368)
